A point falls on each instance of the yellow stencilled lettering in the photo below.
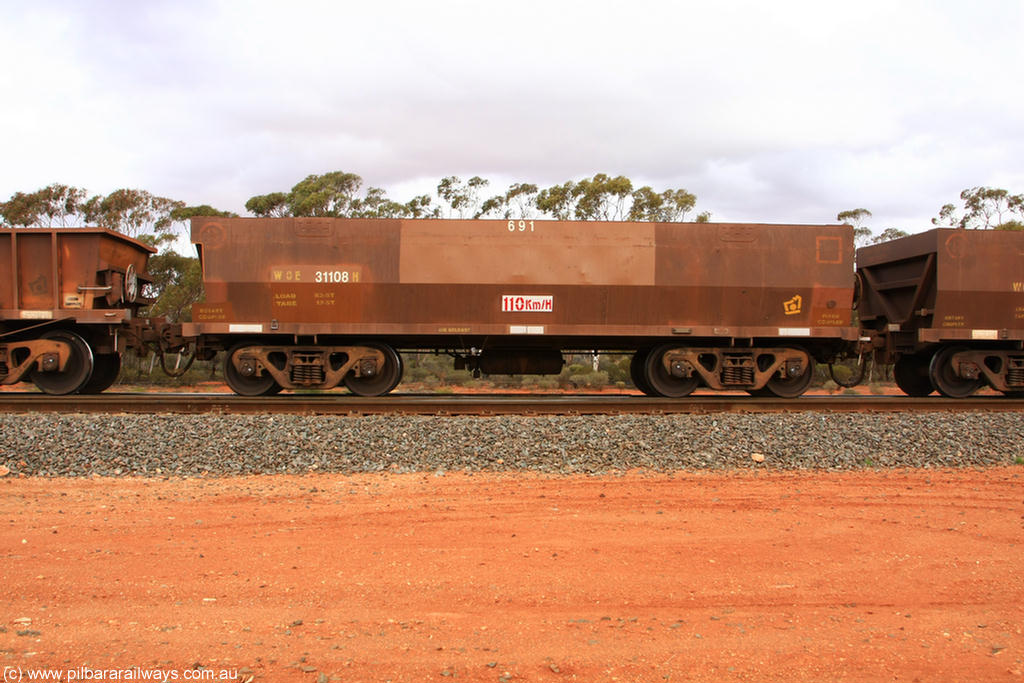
(830, 319)
(211, 313)
(286, 275)
(286, 300)
(1019, 313)
(324, 298)
(954, 321)
(453, 330)
(1018, 286)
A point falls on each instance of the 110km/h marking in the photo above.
(526, 303)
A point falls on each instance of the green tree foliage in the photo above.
(519, 202)
(376, 205)
(947, 217)
(184, 213)
(134, 213)
(177, 284)
(273, 205)
(888, 235)
(421, 207)
(337, 195)
(558, 201)
(862, 234)
(54, 206)
(463, 199)
(20, 210)
(983, 208)
(856, 218)
(607, 198)
(599, 198)
(670, 206)
(329, 195)
(603, 198)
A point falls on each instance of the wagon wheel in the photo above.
(944, 376)
(660, 381)
(791, 387)
(256, 385)
(384, 380)
(105, 369)
(76, 372)
(911, 375)
(636, 372)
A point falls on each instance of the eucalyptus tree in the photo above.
(54, 206)
(856, 218)
(519, 202)
(670, 206)
(984, 207)
(463, 198)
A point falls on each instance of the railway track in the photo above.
(483, 405)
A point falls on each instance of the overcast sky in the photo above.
(768, 111)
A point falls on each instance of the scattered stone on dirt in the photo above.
(72, 445)
(908, 574)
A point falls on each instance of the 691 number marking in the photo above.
(520, 226)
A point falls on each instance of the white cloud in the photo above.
(768, 111)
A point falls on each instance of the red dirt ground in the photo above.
(868, 576)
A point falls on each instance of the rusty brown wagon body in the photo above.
(66, 297)
(947, 307)
(308, 302)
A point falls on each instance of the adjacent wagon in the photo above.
(66, 298)
(947, 308)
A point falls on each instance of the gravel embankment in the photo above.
(191, 445)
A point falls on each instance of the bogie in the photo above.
(77, 369)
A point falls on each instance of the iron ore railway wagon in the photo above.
(316, 303)
(69, 305)
(946, 307)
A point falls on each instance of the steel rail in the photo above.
(485, 404)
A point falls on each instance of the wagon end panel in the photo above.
(303, 272)
(980, 284)
(744, 276)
